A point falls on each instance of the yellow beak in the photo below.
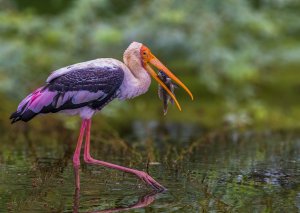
(154, 61)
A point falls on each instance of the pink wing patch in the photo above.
(37, 100)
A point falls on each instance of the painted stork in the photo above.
(85, 88)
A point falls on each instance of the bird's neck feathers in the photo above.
(132, 59)
(138, 78)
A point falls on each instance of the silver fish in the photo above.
(162, 93)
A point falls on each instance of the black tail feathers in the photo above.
(15, 117)
(22, 116)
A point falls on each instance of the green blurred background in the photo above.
(241, 59)
(235, 148)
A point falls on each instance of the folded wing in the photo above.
(90, 85)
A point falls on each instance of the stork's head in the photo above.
(139, 53)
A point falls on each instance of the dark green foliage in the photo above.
(241, 60)
(231, 47)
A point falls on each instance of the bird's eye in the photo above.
(144, 53)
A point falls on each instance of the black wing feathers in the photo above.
(96, 86)
(92, 79)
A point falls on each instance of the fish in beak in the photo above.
(149, 58)
(162, 93)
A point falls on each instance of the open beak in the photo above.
(154, 61)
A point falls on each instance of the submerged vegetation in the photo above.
(203, 171)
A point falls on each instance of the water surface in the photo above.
(204, 170)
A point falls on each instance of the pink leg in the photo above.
(142, 175)
(76, 156)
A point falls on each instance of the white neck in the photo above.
(136, 80)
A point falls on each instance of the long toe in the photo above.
(153, 183)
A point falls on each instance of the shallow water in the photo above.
(218, 171)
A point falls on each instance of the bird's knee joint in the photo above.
(76, 162)
(88, 159)
(142, 174)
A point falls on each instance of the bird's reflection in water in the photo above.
(142, 202)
